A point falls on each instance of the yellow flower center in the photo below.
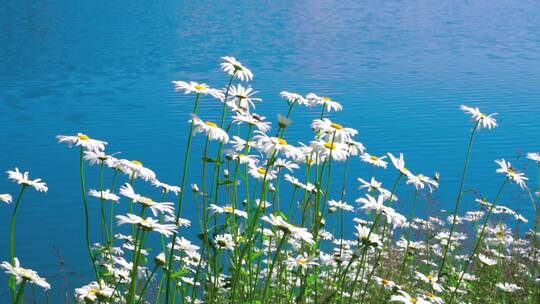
(330, 146)
(261, 170)
(93, 291)
(200, 87)
(83, 137)
(430, 277)
(500, 235)
(326, 98)
(228, 209)
(413, 300)
(146, 201)
(374, 158)
(336, 126)
(281, 141)
(238, 67)
(211, 124)
(136, 162)
(385, 282)
(302, 261)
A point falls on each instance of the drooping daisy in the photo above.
(534, 156)
(285, 164)
(135, 169)
(487, 260)
(6, 198)
(511, 173)
(273, 146)
(24, 179)
(430, 279)
(399, 163)
(163, 207)
(374, 160)
(405, 298)
(302, 261)
(240, 145)
(148, 224)
(483, 120)
(94, 292)
(355, 147)
(105, 195)
(242, 158)
(367, 237)
(336, 150)
(340, 205)
(227, 209)
(166, 188)
(198, 88)
(296, 232)
(224, 242)
(283, 121)
(333, 130)
(294, 98)
(209, 128)
(241, 98)
(253, 120)
(180, 222)
(262, 172)
(326, 102)
(82, 140)
(23, 274)
(235, 68)
(375, 185)
(98, 157)
(420, 181)
(508, 287)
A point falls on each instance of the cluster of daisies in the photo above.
(273, 225)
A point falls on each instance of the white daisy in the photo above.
(93, 293)
(235, 68)
(374, 160)
(296, 232)
(209, 128)
(227, 209)
(252, 119)
(333, 130)
(326, 102)
(224, 242)
(302, 261)
(198, 88)
(166, 187)
(163, 207)
(340, 205)
(135, 168)
(375, 185)
(336, 150)
(511, 173)
(273, 146)
(534, 156)
(23, 274)
(405, 298)
(262, 172)
(294, 98)
(483, 120)
(399, 163)
(6, 198)
(24, 179)
(420, 181)
(105, 195)
(240, 98)
(148, 224)
(508, 287)
(82, 140)
(96, 157)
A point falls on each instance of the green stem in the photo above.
(12, 226)
(271, 269)
(180, 202)
(86, 221)
(20, 293)
(141, 296)
(458, 199)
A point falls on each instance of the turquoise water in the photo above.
(400, 68)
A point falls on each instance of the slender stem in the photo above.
(12, 226)
(20, 293)
(458, 199)
(478, 241)
(86, 221)
(271, 269)
(141, 295)
(180, 202)
(409, 229)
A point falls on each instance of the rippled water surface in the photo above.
(400, 68)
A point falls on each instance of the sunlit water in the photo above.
(400, 68)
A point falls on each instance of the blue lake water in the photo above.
(400, 68)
